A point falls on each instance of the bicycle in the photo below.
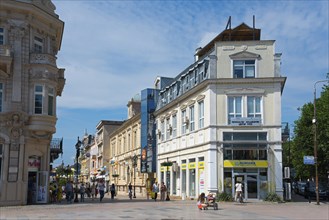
(239, 197)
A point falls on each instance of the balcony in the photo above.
(42, 125)
(56, 148)
(43, 58)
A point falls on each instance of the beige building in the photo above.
(219, 121)
(125, 145)
(30, 81)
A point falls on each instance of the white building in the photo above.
(219, 121)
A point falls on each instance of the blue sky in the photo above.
(111, 50)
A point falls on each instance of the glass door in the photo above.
(42, 187)
(249, 185)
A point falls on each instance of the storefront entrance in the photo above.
(249, 183)
(37, 191)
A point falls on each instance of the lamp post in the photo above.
(77, 147)
(315, 145)
(134, 160)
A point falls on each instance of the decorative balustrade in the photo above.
(42, 58)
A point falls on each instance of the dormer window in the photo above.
(244, 69)
(2, 36)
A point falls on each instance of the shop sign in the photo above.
(34, 163)
(183, 166)
(246, 121)
(245, 163)
(201, 164)
(192, 165)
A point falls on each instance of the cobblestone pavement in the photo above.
(140, 208)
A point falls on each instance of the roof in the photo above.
(240, 33)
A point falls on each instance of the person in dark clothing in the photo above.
(112, 189)
(307, 190)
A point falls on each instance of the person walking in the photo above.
(163, 190)
(307, 190)
(155, 190)
(82, 192)
(69, 191)
(112, 189)
(238, 192)
(93, 191)
(130, 191)
(101, 189)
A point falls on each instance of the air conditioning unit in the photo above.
(286, 174)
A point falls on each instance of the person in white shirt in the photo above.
(238, 190)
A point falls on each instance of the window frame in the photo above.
(38, 44)
(244, 66)
(183, 117)
(174, 126)
(1, 96)
(2, 36)
(51, 101)
(38, 93)
(234, 114)
(191, 118)
(201, 114)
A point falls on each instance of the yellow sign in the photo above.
(192, 165)
(201, 164)
(245, 163)
(183, 166)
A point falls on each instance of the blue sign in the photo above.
(309, 160)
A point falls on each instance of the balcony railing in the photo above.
(43, 58)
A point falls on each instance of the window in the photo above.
(244, 69)
(1, 94)
(38, 45)
(234, 107)
(50, 101)
(162, 130)
(2, 36)
(183, 121)
(191, 118)
(254, 107)
(168, 129)
(38, 99)
(201, 114)
(1, 155)
(174, 126)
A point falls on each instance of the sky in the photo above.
(111, 50)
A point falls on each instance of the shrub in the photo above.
(223, 196)
(273, 197)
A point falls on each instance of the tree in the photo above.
(303, 143)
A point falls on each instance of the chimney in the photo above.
(196, 56)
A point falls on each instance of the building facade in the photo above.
(30, 81)
(219, 121)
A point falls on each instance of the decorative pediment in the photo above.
(245, 55)
(243, 91)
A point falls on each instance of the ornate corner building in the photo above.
(30, 37)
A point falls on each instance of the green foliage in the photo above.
(223, 196)
(303, 143)
(273, 197)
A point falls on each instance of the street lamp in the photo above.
(77, 147)
(315, 145)
(134, 160)
(167, 164)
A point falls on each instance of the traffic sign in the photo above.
(309, 160)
